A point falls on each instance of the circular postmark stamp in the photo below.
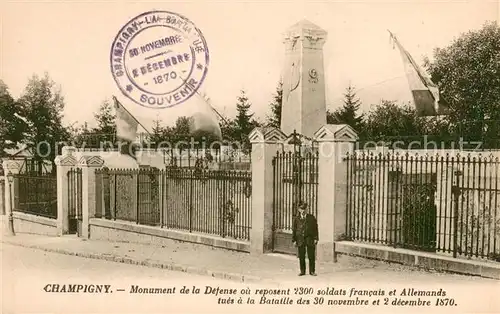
(159, 59)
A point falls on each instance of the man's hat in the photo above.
(303, 205)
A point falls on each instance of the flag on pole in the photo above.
(425, 93)
(204, 120)
(126, 129)
(126, 124)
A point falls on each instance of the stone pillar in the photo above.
(265, 143)
(64, 163)
(335, 141)
(2, 194)
(10, 167)
(304, 104)
(88, 164)
(13, 167)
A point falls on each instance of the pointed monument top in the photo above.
(305, 28)
(305, 25)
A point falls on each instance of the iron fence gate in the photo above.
(75, 201)
(295, 181)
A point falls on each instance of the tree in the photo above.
(78, 133)
(105, 130)
(244, 119)
(388, 119)
(12, 126)
(274, 119)
(106, 119)
(468, 75)
(182, 126)
(159, 133)
(228, 127)
(42, 105)
(348, 113)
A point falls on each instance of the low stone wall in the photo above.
(26, 223)
(122, 231)
(420, 259)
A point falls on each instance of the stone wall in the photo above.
(26, 223)
(122, 231)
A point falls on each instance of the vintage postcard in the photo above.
(250, 156)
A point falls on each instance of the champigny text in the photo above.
(76, 288)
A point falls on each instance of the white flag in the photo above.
(425, 93)
(203, 120)
(126, 124)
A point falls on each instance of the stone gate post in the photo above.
(88, 164)
(10, 167)
(265, 143)
(335, 141)
(64, 163)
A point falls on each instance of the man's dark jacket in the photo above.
(305, 231)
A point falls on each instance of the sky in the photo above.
(71, 40)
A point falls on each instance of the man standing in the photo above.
(305, 237)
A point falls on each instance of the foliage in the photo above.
(237, 129)
(105, 119)
(158, 132)
(274, 119)
(243, 116)
(348, 113)
(103, 132)
(468, 75)
(363, 220)
(42, 105)
(419, 216)
(391, 119)
(181, 132)
(228, 127)
(11, 126)
(229, 211)
(477, 222)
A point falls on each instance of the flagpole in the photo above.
(412, 61)
(117, 103)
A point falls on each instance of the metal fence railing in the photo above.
(35, 194)
(75, 201)
(447, 204)
(216, 202)
(295, 180)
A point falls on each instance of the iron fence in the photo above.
(445, 204)
(2, 195)
(295, 181)
(35, 194)
(209, 201)
(128, 194)
(74, 199)
(216, 202)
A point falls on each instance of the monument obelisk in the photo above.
(304, 104)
